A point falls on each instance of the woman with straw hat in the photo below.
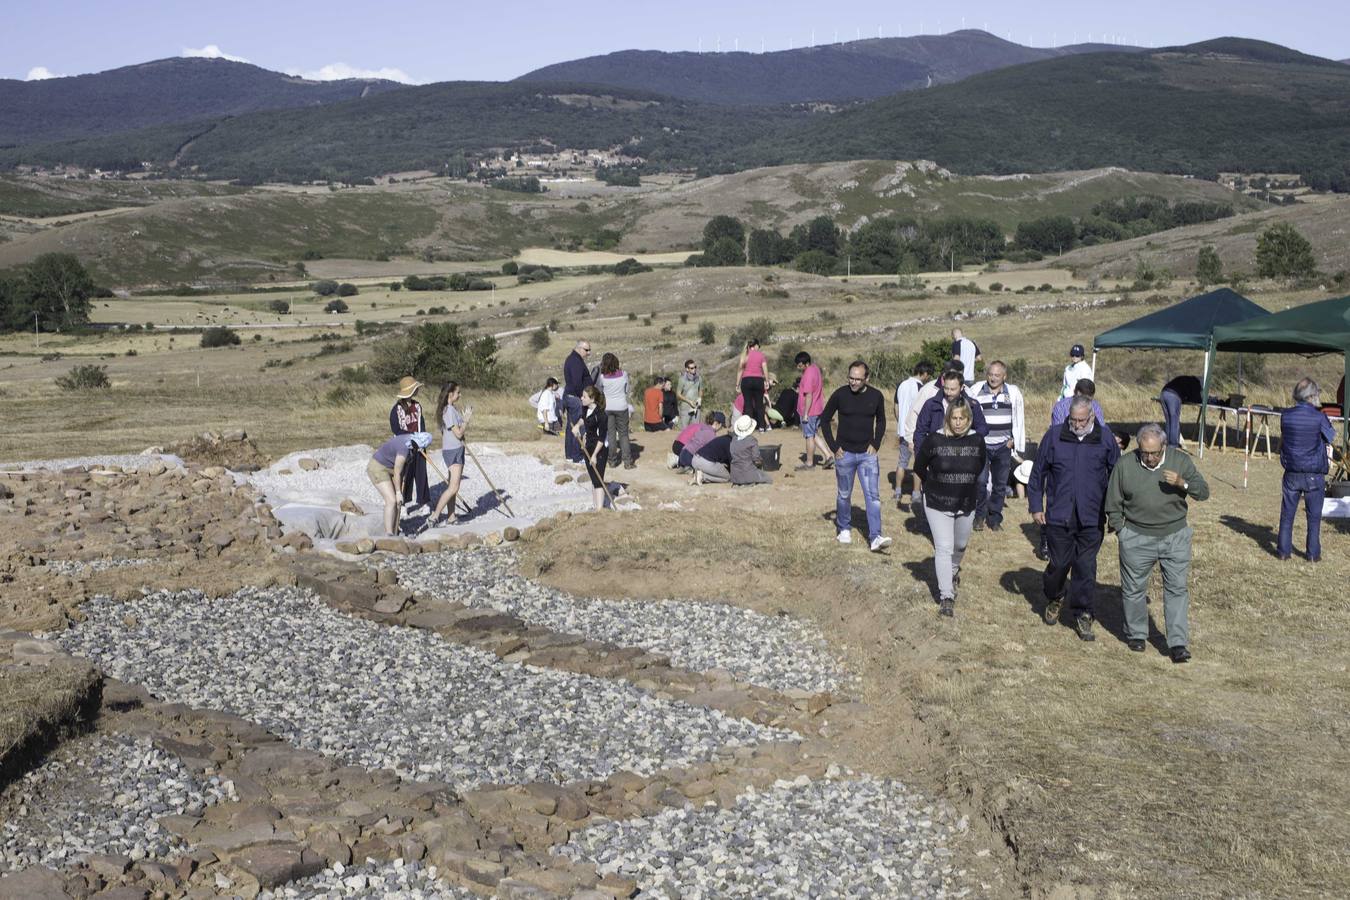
(405, 418)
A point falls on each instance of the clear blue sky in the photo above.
(430, 41)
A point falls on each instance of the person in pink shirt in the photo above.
(752, 374)
(810, 404)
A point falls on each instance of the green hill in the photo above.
(156, 93)
(1224, 105)
(847, 71)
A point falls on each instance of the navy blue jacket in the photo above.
(934, 411)
(1305, 432)
(576, 377)
(1070, 475)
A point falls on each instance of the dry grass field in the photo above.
(1108, 773)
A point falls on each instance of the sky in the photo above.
(421, 42)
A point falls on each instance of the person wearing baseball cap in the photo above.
(1076, 369)
(405, 417)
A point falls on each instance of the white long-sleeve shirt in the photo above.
(926, 393)
(1073, 372)
(905, 393)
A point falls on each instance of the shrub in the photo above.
(335, 306)
(395, 285)
(346, 289)
(632, 317)
(280, 307)
(1005, 309)
(539, 339)
(756, 329)
(354, 375)
(510, 267)
(995, 286)
(325, 288)
(82, 378)
(219, 336)
(1046, 287)
(707, 333)
(131, 352)
(437, 352)
(630, 266)
(684, 317)
(340, 395)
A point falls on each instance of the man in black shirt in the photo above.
(862, 424)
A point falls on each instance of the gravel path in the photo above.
(100, 795)
(773, 651)
(393, 697)
(854, 837)
(371, 881)
(124, 460)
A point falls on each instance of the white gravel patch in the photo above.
(122, 460)
(76, 567)
(309, 500)
(101, 795)
(774, 651)
(371, 881)
(836, 837)
(393, 697)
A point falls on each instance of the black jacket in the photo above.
(862, 419)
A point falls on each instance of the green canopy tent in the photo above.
(1312, 329)
(1188, 325)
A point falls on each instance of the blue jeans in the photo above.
(572, 404)
(1171, 407)
(868, 469)
(997, 468)
(1312, 488)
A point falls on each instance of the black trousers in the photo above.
(415, 476)
(1073, 550)
(752, 392)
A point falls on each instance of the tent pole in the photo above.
(1345, 418)
(1094, 364)
(1204, 395)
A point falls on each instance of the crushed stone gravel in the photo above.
(370, 881)
(101, 795)
(773, 651)
(855, 836)
(394, 697)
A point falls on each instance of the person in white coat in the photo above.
(1076, 369)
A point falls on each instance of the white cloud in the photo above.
(40, 73)
(211, 51)
(340, 70)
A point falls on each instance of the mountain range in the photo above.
(157, 93)
(1223, 105)
(834, 73)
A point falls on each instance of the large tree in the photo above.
(1281, 252)
(55, 288)
(723, 228)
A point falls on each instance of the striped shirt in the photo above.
(998, 414)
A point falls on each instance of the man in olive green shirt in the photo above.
(1146, 508)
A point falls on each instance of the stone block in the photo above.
(276, 864)
(307, 464)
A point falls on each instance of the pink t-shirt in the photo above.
(754, 364)
(811, 383)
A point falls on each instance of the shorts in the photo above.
(810, 425)
(380, 474)
(906, 455)
(453, 457)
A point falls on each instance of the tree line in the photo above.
(52, 293)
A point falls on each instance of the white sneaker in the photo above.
(844, 537)
(880, 542)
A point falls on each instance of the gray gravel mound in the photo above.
(101, 795)
(371, 881)
(854, 837)
(393, 697)
(772, 651)
(75, 566)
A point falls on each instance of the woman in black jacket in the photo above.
(592, 433)
(950, 462)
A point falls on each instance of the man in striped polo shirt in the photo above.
(1002, 406)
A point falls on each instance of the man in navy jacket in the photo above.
(576, 378)
(1066, 494)
(1306, 437)
(933, 413)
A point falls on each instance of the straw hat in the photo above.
(744, 427)
(1023, 471)
(407, 386)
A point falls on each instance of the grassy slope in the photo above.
(254, 236)
(38, 198)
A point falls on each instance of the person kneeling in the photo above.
(745, 461)
(712, 461)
